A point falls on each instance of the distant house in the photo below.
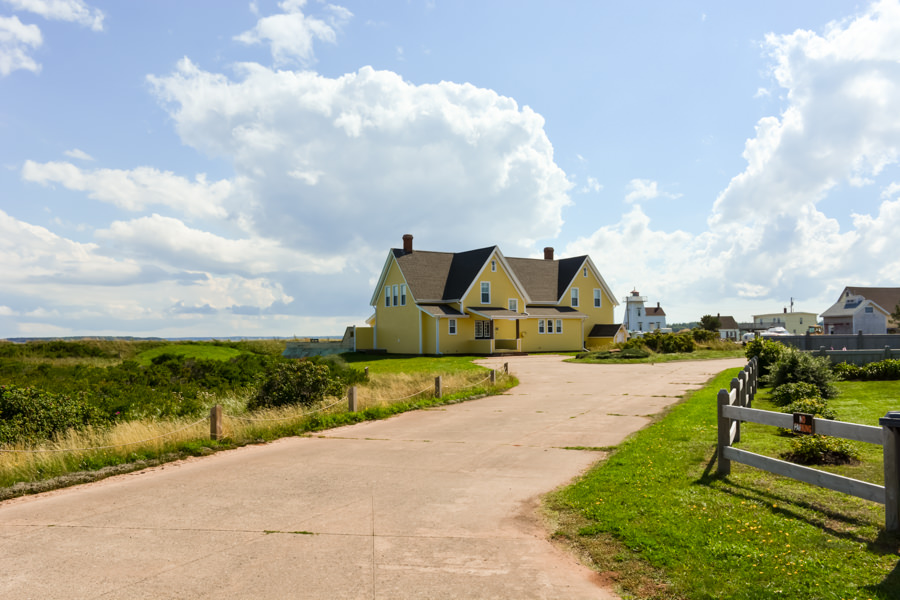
(640, 318)
(797, 323)
(483, 302)
(855, 312)
(728, 328)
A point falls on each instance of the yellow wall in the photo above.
(502, 288)
(397, 327)
(586, 286)
(364, 338)
(533, 341)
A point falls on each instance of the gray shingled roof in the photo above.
(445, 276)
(556, 312)
(605, 330)
(727, 323)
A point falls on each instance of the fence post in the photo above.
(737, 385)
(724, 430)
(367, 371)
(506, 366)
(352, 401)
(438, 387)
(890, 427)
(493, 376)
(887, 352)
(216, 431)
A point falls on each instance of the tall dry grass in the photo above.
(148, 439)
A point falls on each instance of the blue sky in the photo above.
(213, 168)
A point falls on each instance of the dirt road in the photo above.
(430, 504)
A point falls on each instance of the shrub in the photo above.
(791, 392)
(813, 406)
(767, 353)
(668, 343)
(846, 371)
(885, 370)
(795, 366)
(31, 415)
(301, 382)
(633, 353)
(704, 335)
(821, 450)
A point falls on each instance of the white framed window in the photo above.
(402, 294)
(485, 292)
(387, 295)
(540, 326)
(451, 326)
(494, 266)
(598, 299)
(574, 296)
(549, 325)
(514, 304)
(559, 326)
(482, 330)
(584, 272)
(396, 290)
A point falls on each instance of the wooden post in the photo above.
(737, 385)
(890, 427)
(493, 376)
(216, 431)
(367, 371)
(352, 401)
(724, 429)
(506, 365)
(438, 387)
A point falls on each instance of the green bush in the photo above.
(633, 353)
(303, 382)
(704, 335)
(791, 392)
(669, 343)
(846, 371)
(885, 370)
(812, 406)
(795, 366)
(821, 450)
(767, 353)
(31, 415)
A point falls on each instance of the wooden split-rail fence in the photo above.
(734, 407)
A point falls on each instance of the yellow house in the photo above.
(482, 302)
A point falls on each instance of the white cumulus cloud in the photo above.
(74, 11)
(368, 156)
(291, 34)
(17, 41)
(136, 189)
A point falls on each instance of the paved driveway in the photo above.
(430, 504)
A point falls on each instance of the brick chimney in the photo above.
(548, 253)
(407, 243)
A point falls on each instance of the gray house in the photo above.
(855, 313)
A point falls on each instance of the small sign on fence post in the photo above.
(804, 423)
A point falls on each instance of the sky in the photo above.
(225, 169)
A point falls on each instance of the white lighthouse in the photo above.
(639, 318)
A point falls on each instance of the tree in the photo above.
(710, 323)
(896, 315)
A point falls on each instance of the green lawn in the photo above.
(411, 365)
(656, 519)
(187, 350)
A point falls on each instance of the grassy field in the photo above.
(655, 520)
(188, 350)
